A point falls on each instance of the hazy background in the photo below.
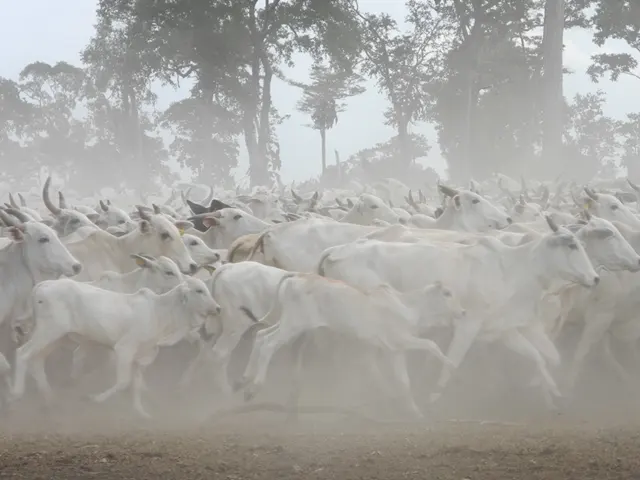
(42, 30)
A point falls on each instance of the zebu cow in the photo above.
(156, 235)
(158, 275)
(34, 253)
(113, 216)
(381, 318)
(500, 286)
(227, 225)
(134, 325)
(245, 292)
(66, 221)
(200, 252)
(297, 246)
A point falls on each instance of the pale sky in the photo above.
(49, 31)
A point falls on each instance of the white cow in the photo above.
(66, 220)
(499, 285)
(156, 235)
(245, 292)
(34, 253)
(228, 224)
(381, 318)
(200, 252)
(134, 325)
(158, 275)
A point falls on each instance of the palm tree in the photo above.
(324, 98)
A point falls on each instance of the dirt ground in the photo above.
(478, 432)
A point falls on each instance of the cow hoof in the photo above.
(250, 393)
(239, 384)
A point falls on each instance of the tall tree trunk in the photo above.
(404, 141)
(323, 145)
(553, 101)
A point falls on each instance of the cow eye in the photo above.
(44, 240)
(121, 222)
(237, 217)
(193, 243)
(373, 207)
(170, 273)
(74, 220)
(475, 200)
(573, 246)
(165, 236)
(614, 207)
(200, 291)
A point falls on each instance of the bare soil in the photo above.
(506, 432)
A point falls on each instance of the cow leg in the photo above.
(261, 358)
(518, 343)
(465, 333)
(596, 325)
(254, 358)
(41, 343)
(124, 372)
(138, 386)
(297, 354)
(401, 374)
(613, 362)
(539, 338)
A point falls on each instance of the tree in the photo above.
(120, 101)
(232, 49)
(324, 97)
(15, 117)
(487, 109)
(629, 132)
(407, 64)
(619, 20)
(552, 78)
(590, 137)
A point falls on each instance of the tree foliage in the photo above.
(474, 70)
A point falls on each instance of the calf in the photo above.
(133, 325)
(381, 318)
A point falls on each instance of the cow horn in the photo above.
(104, 206)
(552, 225)
(207, 200)
(296, 197)
(23, 202)
(633, 185)
(144, 215)
(593, 195)
(61, 200)
(448, 191)
(7, 219)
(156, 209)
(47, 201)
(18, 214)
(12, 202)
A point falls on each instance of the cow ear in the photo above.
(183, 225)
(210, 221)
(16, 234)
(197, 209)
(141, 261)
(210, 268)
(145, 226)
(456, 202)
(94, 217)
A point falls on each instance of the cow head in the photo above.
(42, 250)
(161, 236)
(562, 253)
